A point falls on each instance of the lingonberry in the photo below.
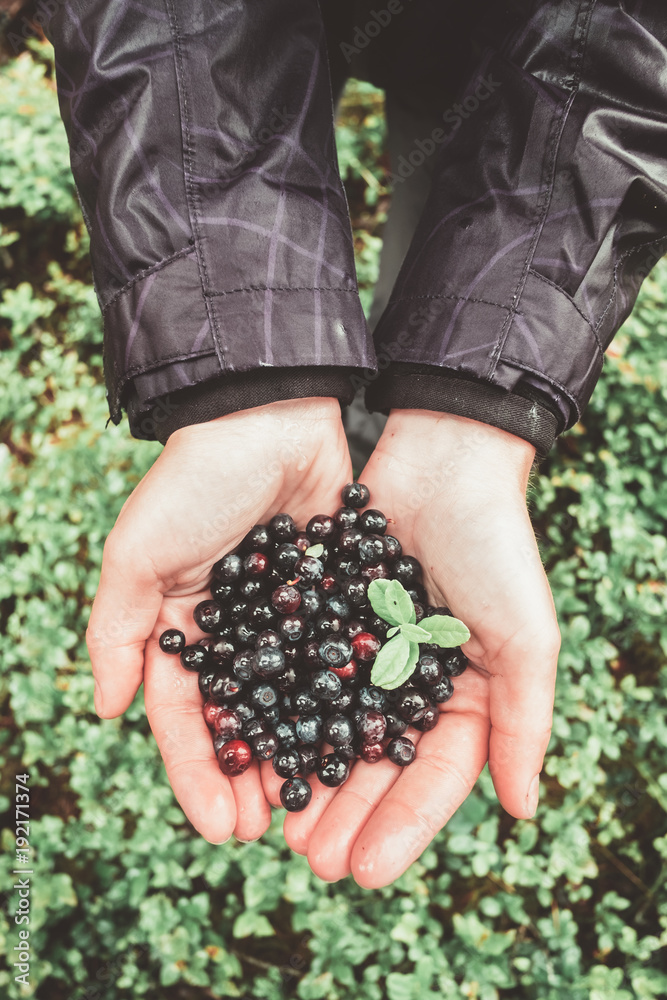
(256, 564)
(366, 646)
(234, 758)
(228, 723)
(210, 712)
(346, 673)
(372, 752)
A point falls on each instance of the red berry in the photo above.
(347, 672)
(255, 564)
(211, 713)
(234, 758)
(328, 583)
(372, 752)
(366, 646)
(228, 724)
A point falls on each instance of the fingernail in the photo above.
(533, 796)
(99, 701)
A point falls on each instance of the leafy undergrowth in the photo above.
(127, 901)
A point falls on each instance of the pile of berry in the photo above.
(292, 637)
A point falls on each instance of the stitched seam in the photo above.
(641, 246)
(191, 196)
(557, 128)
(547, 378)
(455, 298)
(282, 288)
(548, 281)
(142, 369)
(145, 274)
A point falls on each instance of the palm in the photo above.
(479, 556)
(209, 486)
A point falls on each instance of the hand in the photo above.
(456, 490)
(211, 483)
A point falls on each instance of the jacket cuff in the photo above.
(230, 393)
(525, 412)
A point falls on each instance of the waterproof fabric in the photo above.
(203, 153)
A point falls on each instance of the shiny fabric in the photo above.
(202, 148)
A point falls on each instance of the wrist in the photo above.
(466, 448)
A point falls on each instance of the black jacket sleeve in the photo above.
(201, 138)
(548, 208)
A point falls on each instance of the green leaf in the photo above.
(315, 550)
(446, 631)
(415, 633)
(391, 601)
(394, 663)
(393, 630)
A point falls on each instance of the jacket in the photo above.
(202, 147)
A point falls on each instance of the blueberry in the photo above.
(346, 517)
(309, 728)
(320, 527)
(428, 670)
(285, 730)
(333, 770)
(194, 658)
(302, 541)
(327, 623)
(264, 696)
(454, 664)
(258, 539)
(256, 564)
(355, 495)
(346, 567)
(377, 572)
(401, 751)
(243, 708)
(372, 698)
(429, 719)
(335, 651)
(325, 685)
(309, 758)
(344, 701)
(271, 715)
(348, 543)
(254, 727)
(339, 605)
(412, 705)
(204, 679)
(312, 603)
(295, 794)
(282, 528)
(407, 570)
(252, 589)
(356, 591)
(264, 746)
(208, 615)
(442, 691)
(172, 641)
(396, 726)
(338, 729)
(373, 522)
(309, 570)
(371, 726)
(242, 665)
(262, 614)
(237, 610)
(269, 637)
(286, 762)
(392, 547)
(285, 559)
(288, 680)
(305, 702)
(224, 687)
(286, 599)
(269, 662)
(293, 628)
(348, 750)
(229, 568)
(245, 633)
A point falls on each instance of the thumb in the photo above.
(123, 616)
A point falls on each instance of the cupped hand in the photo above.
(211, 483)
(456, 491)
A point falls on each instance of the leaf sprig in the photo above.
(397, 659)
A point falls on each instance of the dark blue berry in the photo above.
(264, 696)
(328, 623)
(412, 705)
(309, 758)
(396, 726)
(338, 729)
(244, 709)
(320, 527)
(305, 702)
(282, 528)
(222, 592)
(269, 637)
(224, 687)
(295, 794)
(272, 715)
(313, 603)
(245, 633)
(372, 698)
(339, 605)
(429, 719)
(442, 691)
(194, 658)
(262, 614)
(335, 651)
(264, 746)
(392, 547)
(293, 628)
(208, 615)
(237, 610)
(401, 751)
(310, 655)
(407, 570)
(256, 564)
(254, 726)
(252, 589)
(355, 495)
(345, 700)
(288, 680)
(333, 770)
(309, 728)
(285, 559)
(348, 543)
(309, 570)
(242, 665)
(428, 670)
(346, 517)
(373, 522)
(286, 762)
(356, 591)
(454, 664)
(204, 679)
(285, 730)
(229, 568)
(258, 539)
(347, 567)
(172, 641)
(269, 662)
(371, 725)
(325, 685)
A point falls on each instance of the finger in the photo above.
(425, 795)
(174, 710)
(253, 814)
(124, 612)
(271, 783)
(331, 842)
(521, 710)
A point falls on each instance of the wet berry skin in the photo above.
(272, 715)
(288, 680)
(242, 665)
(172, 641)
(454, 664)
(407, 570)
(285, 730)
(204, 680)
(229, 568)
(348, 543)
(312, 603)
(412, 705)
(286, 762)
(222, 592)
(221, 651)
(320, 527)
(333, 770)
(285, 559)
(428, 670)
(234, 758)
(346, 673)
(243, 708)
(371, 726)
(208, 615)
(264, 746)
(293, 628)
(309, 728)
(396, 726)
(254, 727)
(429, 720)
(253, 588)
(246, 633)
(401, 751)
(295, 794)
(258, 539)
(305, 702)
(393, 547)
(355, 495)
(373, 522)
(338, 729)
(356, 591)
(194, 658)
(372, 752)
(325, 685)
(309, 570)
(228, 724)
(282, 528)
(264, 696)
(366, 646)
(344, 702)
(335, 651)
(309, 758)
(256, 564)
(372, 698)
(286, 599)
(268, 662)
(269, 637)
(442, 691)
(378, 572)
(328, 622)
(346, 517)
(301, 540)
(210, 712)
(224, 687)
